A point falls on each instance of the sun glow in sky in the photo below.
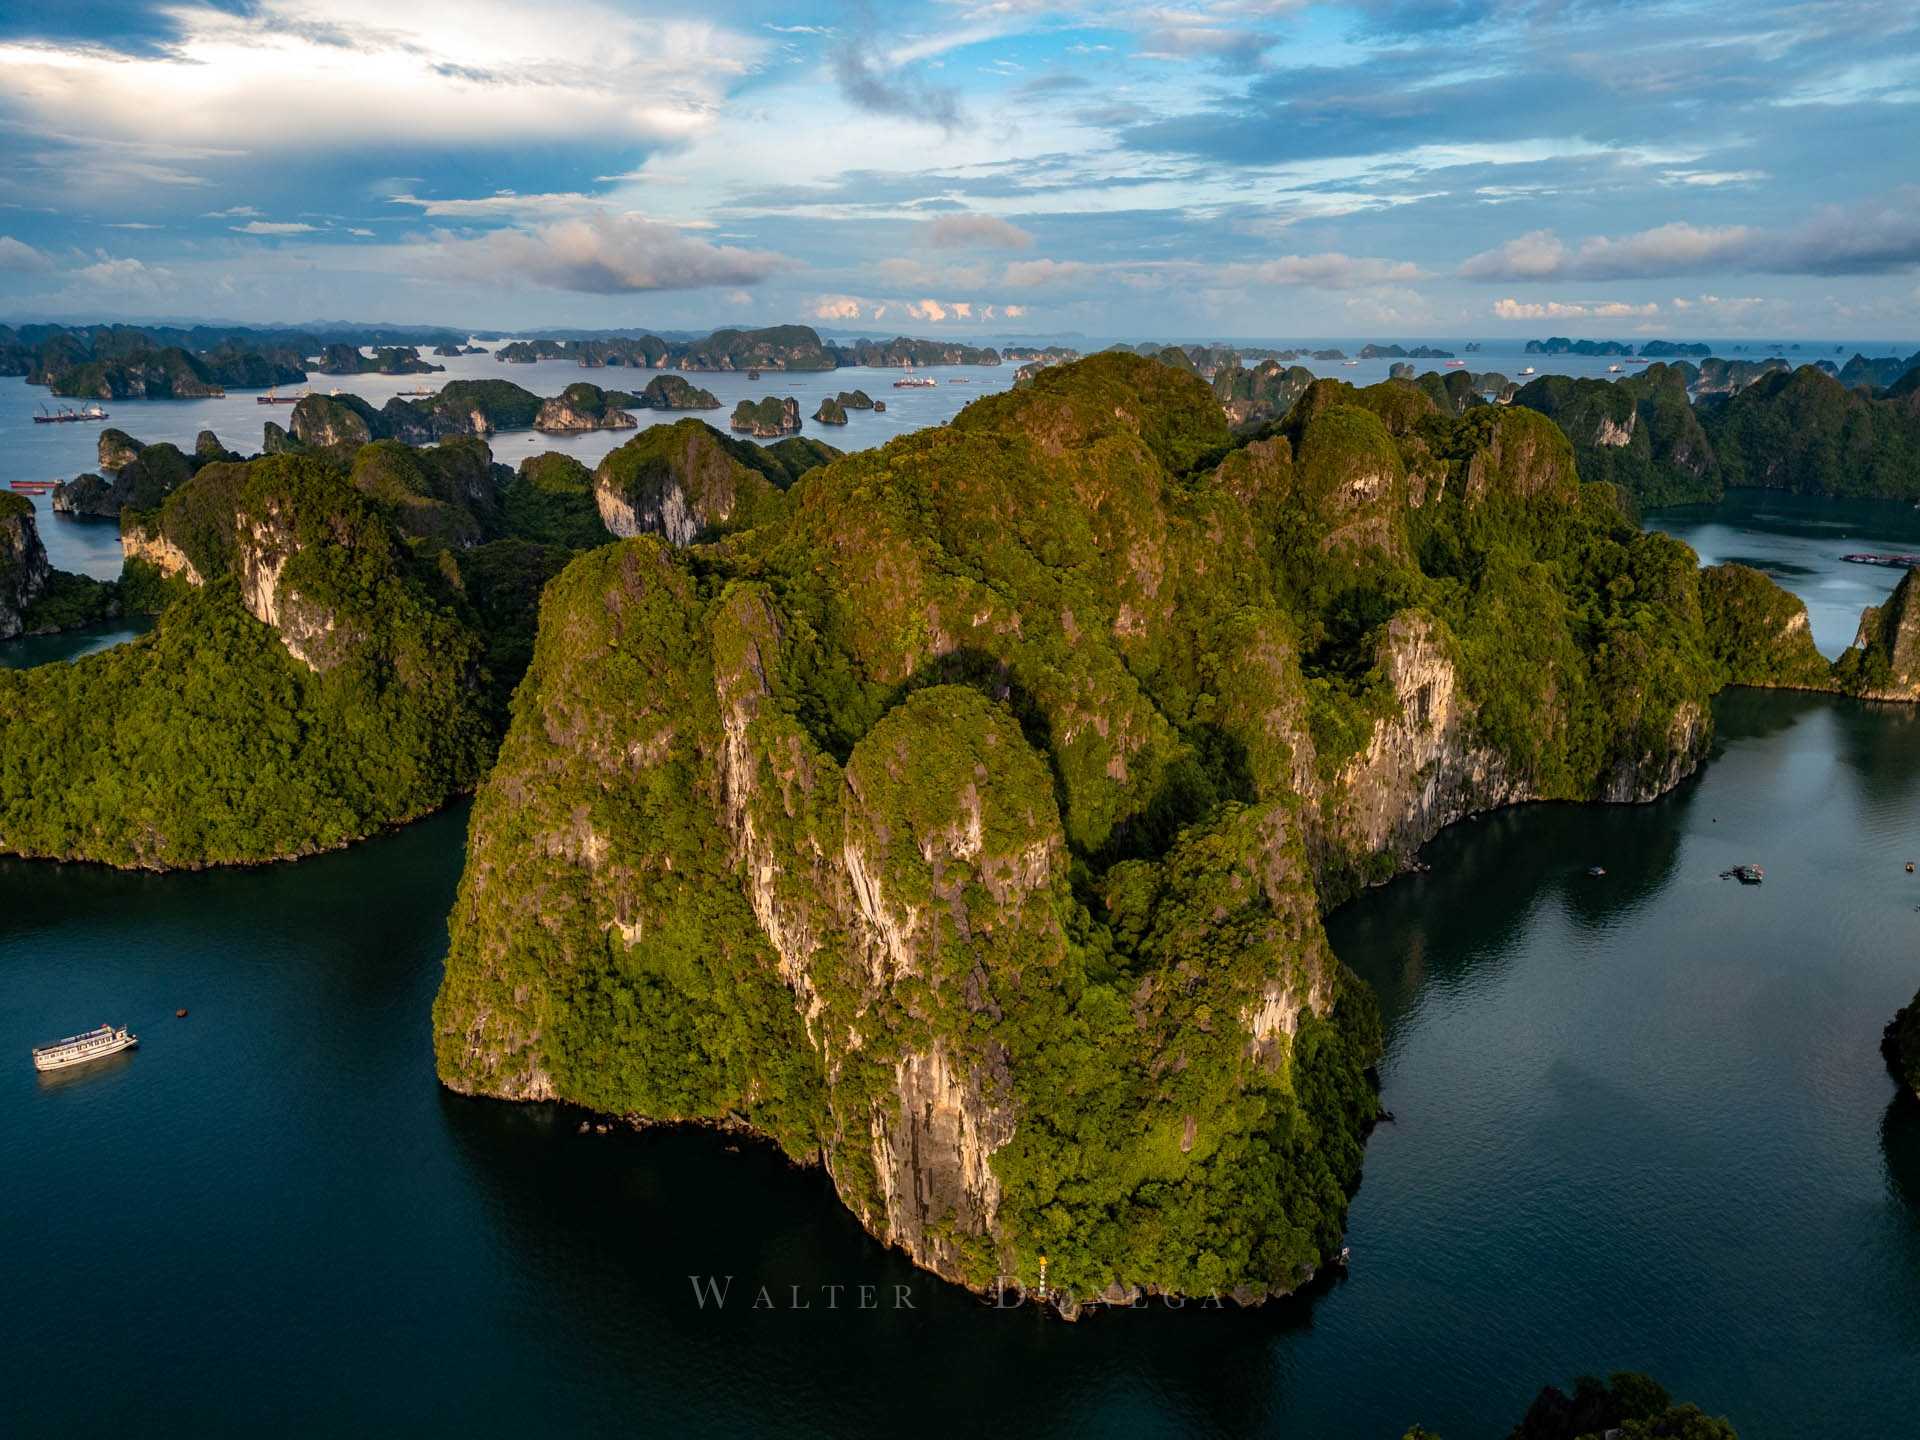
(1254, 168)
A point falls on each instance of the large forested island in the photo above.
(958, 814)
(967, 825)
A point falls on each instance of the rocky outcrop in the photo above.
(86, 497)
(767, 419)
(831, 412)
(1884, 661)
(962, 817)
(117, 448)
(1423, 767)
(23, 563)
(581, 407)
(1253, 397)
(143, 477)
(1900, 1044)
(1640, 433)
(676, 392)
(344, 420)
(149, 546)
(683, 481)
(167, 374)
(310, 630)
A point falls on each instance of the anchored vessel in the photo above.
(79, 1049)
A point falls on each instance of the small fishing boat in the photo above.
(1613, 369)
(1745, 874)
(82, 1049)
(1529, 370)
(1456, 365)
(1596, 871)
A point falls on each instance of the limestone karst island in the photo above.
(1072, 720)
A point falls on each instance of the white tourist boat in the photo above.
(79, 1049)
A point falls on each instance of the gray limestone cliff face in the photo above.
(933, 1149)
(154, 548)
(560, 416)
(23, 564)
(1886, 650)
(811, 850)
(678, 483)
(308, 630)
(659, 510)
(1421, 770)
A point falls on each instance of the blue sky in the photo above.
(1249, 168)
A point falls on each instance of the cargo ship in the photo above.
(67, 415)
(81, 1049)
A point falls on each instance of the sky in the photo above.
(1251, 168)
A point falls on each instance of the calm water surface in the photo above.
(57, 452)
(1798, 540)
(1642, 1121)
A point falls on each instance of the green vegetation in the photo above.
(68, 601)
(1805, 431)
(687, 481)
(1640, 433)
(767, 417)
(551, 501)
(1627, 1405)
(1757, 634)
(831, 412)
(1004, 772)
(1901, 1045)
(339, 634)
(676, 392)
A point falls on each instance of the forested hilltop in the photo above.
(965, 821)
(338, 633)
(1804, 430)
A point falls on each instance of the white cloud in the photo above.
(274, 227)
(18, 255)
(836, 307)
(932, 311)
(602, 255)
(1874, 237)
(1667, 249)
(962, 309)
(1711, 179)
(356, 230)
(301, 75)
(500, 203)
(1572, 310)
(964, 232)
(124, 276)
(1330, 270)
(1033, 274)
(1013, 312)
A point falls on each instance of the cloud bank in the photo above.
(603, 255)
